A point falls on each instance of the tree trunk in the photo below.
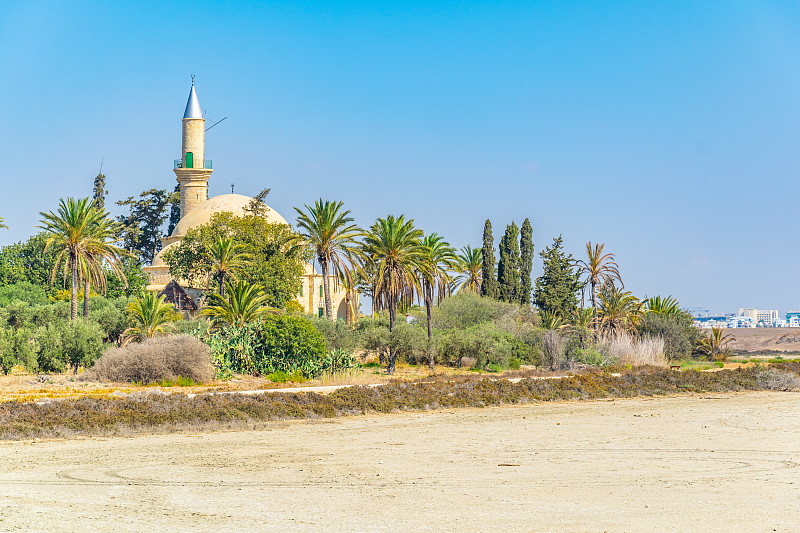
(392, 351)
(86, 289)
(428, 306)
(74, 289)
(594, 301)
(326, 287)
(222, 284)
(348, 318)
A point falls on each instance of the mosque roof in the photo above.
(193, 106)
(234, 203)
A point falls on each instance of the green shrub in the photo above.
(679, 334)
(339, 360)
(279, 342)
(410, 342)
(82, 343)
(589, 356)
(514, 363)
(23, 291)
(278, 376)
(156, 360)
(337, 334)
(462, 311)
(373, 334)
(483, 342)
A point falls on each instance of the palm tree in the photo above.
(244, 303)
(3, 226)
(666, 307)
(330, 232)
(583, 321)
(393, 245)
(226, 257)
(619, 311)
(71, 234)
(471, 273)
(153, 317)
(552, 321)
(101, 250)
(715, 345)
(438, 259)
(599, 269)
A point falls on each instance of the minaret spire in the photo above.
(193, 169)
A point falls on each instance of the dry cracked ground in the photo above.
(690, 463)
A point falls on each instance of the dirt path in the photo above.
(690, 463)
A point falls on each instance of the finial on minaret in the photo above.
(192, 79)
(231, 187)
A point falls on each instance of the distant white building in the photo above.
(794, 322)
(739, 321)
(761, 317)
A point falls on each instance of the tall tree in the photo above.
(489, 283)
(525, 262)
(393, 244)
(70, 231)
(556, 289)
(438, 260)
(332, 235)
(100, 192)
(100, 249)
(174, 209)
(508, 266)
(144, 227)
(276, 257)
(227, 257)
(599, 269)
(470, 277)
(619, 311)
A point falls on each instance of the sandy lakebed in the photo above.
(722, 462)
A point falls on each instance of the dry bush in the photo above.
(773, 379)
(170, 412)
(155, 360)
(645, 351)
(553, 350)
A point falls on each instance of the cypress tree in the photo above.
(556, 289)
(489, 283)
(508, 267)
(99, 195)
(525, 262)
(174, 209)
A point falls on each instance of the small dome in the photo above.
(158, 260)
(233, 203)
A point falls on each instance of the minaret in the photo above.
(192, 170)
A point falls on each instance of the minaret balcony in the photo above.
(178, 163)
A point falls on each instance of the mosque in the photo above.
(193, 172)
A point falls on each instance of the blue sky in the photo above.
(667, 130)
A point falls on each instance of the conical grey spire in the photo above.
(193, 106)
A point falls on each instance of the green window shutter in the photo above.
(320, 312)
(320, 291)
(189, 160)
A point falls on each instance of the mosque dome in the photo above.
(233, 203)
